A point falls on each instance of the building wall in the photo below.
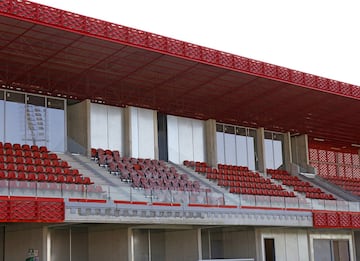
(106, 127)
(78, 123)
(181, 245)
(239, 243)
(290, 244)
(142, 133)
(19, 238)
(186, 139)
(108, 242)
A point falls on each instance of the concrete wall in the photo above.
(181, 245)
(239, 244)
(2, 250)
(357, 244)
(108, 242)
(299, 150)
(211, 143)
(78, 127)
(229, 243)
(19, 238)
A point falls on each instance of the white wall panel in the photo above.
(290, 244)
(173, 139)
(241, 151)
(106, 127)
(186, 139)
(115, 128)
(220, 147)
(98, 126)
(199, 140)
(251, 152)
(230, 152)
(146, 139)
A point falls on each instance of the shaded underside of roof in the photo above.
(58, 53)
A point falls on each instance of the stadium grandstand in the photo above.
(120, 144)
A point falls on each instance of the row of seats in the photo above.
(36, 164)
(38, 169)
(347, 183)
(44, 177)
(23, 147)
(239, 179)
(145, 173)
(298, 185)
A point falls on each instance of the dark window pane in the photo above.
(55, 103)
(15, 97)
(36, 100)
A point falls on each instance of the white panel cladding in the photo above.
(230, 152)
(220, 147)
(173, 139)
(115, 128)
(98, 126)
(186, 139)
(106, 127)
(142, 133)
(290, 244)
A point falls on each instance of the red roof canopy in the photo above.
(55, 52)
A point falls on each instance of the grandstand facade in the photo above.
(121, 144)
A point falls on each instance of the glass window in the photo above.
(14, 117)
(55, 103)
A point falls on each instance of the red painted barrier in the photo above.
(31, 209)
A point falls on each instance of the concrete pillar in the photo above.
(300, 150)
(287, 151)
(78, 124)
(127, 131)
(210, 137)
(260, 147)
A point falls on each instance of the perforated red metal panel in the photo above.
(322, 155)
(320, 219)
(331, 156)
(345, 220)
(355, 159)
(4, 209)
(332, 170)
(355, 220)
(51, 211)
(356, 172)
(31, 209)
(333, 219)
(23, 209)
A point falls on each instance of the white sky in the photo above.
(314, 36)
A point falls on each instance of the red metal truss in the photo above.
(69, 21)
